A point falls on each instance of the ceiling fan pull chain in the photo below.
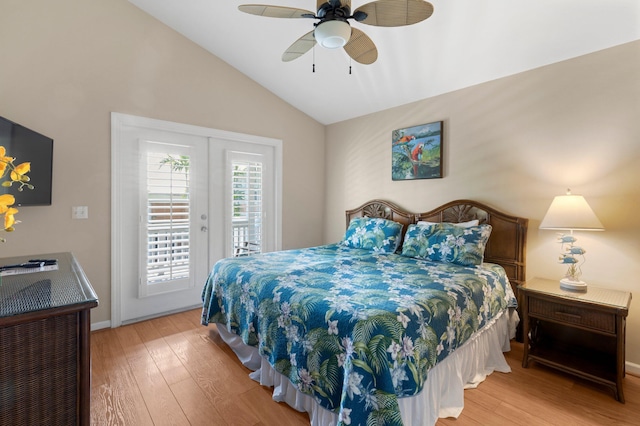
(349, 65)
(314, 59)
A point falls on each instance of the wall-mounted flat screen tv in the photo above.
(26, 145)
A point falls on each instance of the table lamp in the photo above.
(571, 213)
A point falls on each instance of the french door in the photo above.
(172, 248)
(182, 198)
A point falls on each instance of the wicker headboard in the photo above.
(507, 243)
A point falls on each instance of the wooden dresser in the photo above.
(578, 332)
(45, 361)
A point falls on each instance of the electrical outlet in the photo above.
(80, 212)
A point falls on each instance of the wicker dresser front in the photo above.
(44, 345)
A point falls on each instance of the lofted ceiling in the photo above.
(464, 42)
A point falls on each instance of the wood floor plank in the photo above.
(183, 321)
(165, 326)
(194, 316)
(182, 361)
(98, 366)
(195, 404)
(167, 360)
(254, 401)
(160, 401)
(199, 339)
(543, 396)
(151, 334)
(147, 331)
(117, 399)
(210, 368)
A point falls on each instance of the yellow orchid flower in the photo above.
(9, 220)
(3, 155)
(6, 200)
(4, 161)
(18, 173)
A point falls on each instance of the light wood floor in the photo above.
(174, 371)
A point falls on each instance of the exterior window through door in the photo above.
(247, 207)
(167, 216)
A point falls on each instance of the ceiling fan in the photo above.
(333, 29)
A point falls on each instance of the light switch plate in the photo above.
(80, 212)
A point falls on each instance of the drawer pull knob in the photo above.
(574, 316)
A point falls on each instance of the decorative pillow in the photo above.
(446, 242)
(474, 222)
(373, 233)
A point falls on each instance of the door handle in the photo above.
(204, 229)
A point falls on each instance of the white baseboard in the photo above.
(632, 368)
(107, 324)
(100, 325)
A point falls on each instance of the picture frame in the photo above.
(416, 152)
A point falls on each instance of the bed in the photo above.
(387, 326)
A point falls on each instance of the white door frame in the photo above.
(119, 122)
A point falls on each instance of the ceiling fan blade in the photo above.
(395, 13)
(275, 11)
(299, 47)
(361, 48)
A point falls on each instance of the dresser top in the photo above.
(44, 289)
(598, 295)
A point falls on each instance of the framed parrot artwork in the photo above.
(416, 152)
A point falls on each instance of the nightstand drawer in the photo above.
(589, 318)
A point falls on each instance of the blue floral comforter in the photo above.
(353, 328)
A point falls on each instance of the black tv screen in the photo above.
(26, 145)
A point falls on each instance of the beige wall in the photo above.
(514, 144)
(66, 64)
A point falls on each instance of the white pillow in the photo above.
(474, 222)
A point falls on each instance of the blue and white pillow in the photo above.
(381, 235)
(448, 243)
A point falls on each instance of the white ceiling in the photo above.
(464, 42)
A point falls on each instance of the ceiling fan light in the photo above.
(332, 34)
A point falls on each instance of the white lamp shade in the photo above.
(332, 34)
(571, 212)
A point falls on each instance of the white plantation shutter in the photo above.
(166, 220)
(246, 203)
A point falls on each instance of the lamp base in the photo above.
(568, 284)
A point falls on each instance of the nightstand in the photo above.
(581, 333)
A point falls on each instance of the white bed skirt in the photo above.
(443, 392)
